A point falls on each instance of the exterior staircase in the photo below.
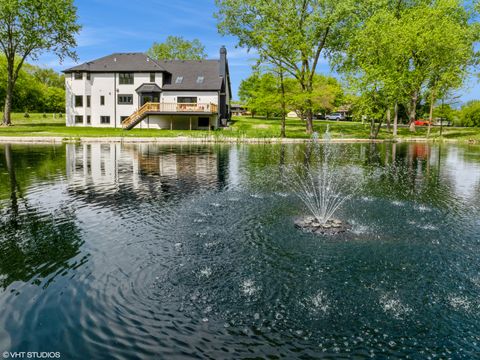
(139, 115)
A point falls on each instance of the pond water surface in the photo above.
(148, 251)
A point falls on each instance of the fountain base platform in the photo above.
(331, 227)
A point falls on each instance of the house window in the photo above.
(125, 99)
(78, 76)
(125, 78)
(88, 76)
(179, 80)
(152, 77)
(88, 101)
(104, 119)
(186, 100)
(89, 119)
(203, 122)
(200, 79)
(102, 100)
(78, 119)
(78, 101)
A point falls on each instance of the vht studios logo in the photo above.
(31, 355)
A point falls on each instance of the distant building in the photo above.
(133, 90)
(238, 110)
(292, 114)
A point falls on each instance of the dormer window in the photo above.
(179, 80)
(200, 79)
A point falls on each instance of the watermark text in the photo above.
(31, 355)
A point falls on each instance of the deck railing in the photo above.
(181, 107)
(151, 107)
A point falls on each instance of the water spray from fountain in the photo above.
(321, 187)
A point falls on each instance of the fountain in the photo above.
(322, 189)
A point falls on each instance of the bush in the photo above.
(470, 114)
(26, 115)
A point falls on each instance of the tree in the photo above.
(246, 92)
(53, 100)
(290, 34)
(34, 92)
(177, 48)
(261, 94)
(30, 27)
(470, 114)
(400, 54)
(48, 77)
(326, 95)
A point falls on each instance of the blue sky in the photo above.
(132, 26)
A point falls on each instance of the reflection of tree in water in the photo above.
(38, 247)
(34, 245)
(407, 173)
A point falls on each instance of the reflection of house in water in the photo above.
(92, 163)
(148, 168)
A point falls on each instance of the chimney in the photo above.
(223, 61)
(222, 101)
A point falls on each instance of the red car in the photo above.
(421, 122)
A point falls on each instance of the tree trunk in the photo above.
(282, 91)
(309, 121)
(430, 116)
(8, 98)
(378, 129)
(413, 111)
(395, 120)
(388, 119)
(309, 112)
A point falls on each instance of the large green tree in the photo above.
(261, 94)
(408, 50)
(37, 89)
(293, 35)
(177, 48)
(326, 95)
(30, 27)
(470, 114)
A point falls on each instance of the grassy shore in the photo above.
(38, 125)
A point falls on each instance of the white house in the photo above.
(133, 90)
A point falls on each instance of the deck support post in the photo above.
(190, 118)
(171, 124)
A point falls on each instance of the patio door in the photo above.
(154, 97)
(146, 99)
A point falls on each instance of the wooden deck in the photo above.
(168, 108)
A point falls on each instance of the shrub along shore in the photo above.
(242, 129)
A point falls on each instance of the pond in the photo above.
(153, 251)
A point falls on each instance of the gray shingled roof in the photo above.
(148, 88)
(119, 62)
(190, 70)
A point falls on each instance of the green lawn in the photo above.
(259, 127)
(248, 127)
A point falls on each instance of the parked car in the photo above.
(421, 122)
(335, 116)
(318, 117)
